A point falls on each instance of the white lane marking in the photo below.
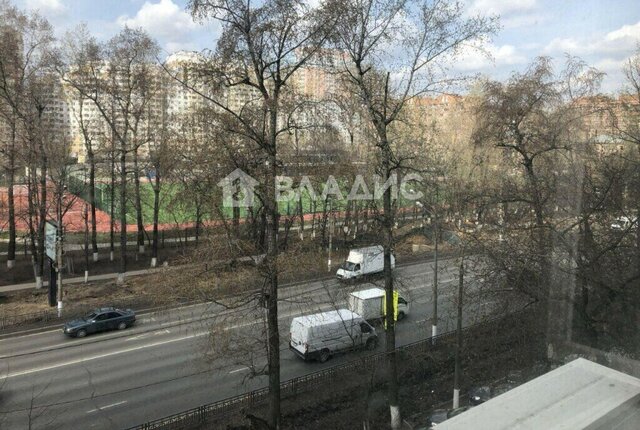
(140, 336)
(106, 407)
(239, 370)
(148, 334)
(109, 354)
(103, 337)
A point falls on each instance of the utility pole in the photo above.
(434, 321)
(456, 378)
(59, 250)
(436, 237)
(330, 237)
(86, 243)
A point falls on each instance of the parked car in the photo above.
(102, 319)
(479, 395)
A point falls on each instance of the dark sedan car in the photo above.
(102, 319)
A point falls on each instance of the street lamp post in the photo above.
(458, 352)
(86, 243)
(434, 321)
(59, 262)
(330, 238)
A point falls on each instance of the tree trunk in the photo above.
(42, 215)
(92, 202)
(390, 332)
(301, 208)
(138, 203)
(112, 211)
(32, 191)
(324, 221)
(123, 214)
(156, 210)
(198, 222)
(235, 216)
(262, 239)
(11, 250)
(271, 261)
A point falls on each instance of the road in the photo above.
(179, 359)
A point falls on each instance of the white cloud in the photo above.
(47, 7)
(488, 56)
(164, 20)
(620, 41)
(562, 45)
(501, 7)
(615, 79)
(624, 33)
(512, 13)
(607, 52)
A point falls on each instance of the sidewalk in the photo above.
(107, 276)
(76, 280)
(106, 245)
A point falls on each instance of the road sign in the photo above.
(50, 239)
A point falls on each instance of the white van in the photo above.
(362, 262)
(319, 336)
(623, 223)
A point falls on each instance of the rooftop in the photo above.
(578, 395)
(368, 294)
(326, 317)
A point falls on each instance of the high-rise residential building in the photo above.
(180, 97)
(319, 78)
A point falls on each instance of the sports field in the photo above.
(177, 206)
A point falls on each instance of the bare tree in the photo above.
(9, 96)
(262, 45)
(26, 87)
(427, 33)
(627, 124)
(118, 78)
(535, 121)
(90, 126)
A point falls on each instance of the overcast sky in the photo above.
(605, 33)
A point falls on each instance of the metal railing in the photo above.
(30, 318)
(297, 385)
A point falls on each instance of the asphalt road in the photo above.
(178, 359)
